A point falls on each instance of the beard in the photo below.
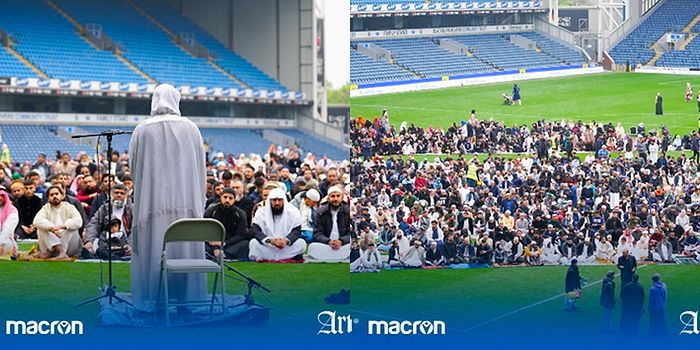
(335, 206)
(118, 204)
(277, 211)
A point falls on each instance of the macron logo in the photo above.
(407, 327)
(43, 327)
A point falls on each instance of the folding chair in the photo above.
(192, 230)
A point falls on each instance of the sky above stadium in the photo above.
(337, 30)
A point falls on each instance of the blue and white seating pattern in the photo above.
(27, 141)
(490, 53)
(229, 60)
(50, 42)
(146, 45)
(671, 16)
(364, 70)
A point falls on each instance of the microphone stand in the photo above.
(248, 301)
(110, 290)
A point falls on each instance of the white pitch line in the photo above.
(533, 305)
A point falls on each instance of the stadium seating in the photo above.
(225, 58)
(146, 45)
(12, 67)
(557, 50)
(491, 52)
(26, 141)
(671, 16)
(425, 57)
(51, 43)
(364, 70)
(311, 143)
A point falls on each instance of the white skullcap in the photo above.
(277, 193)
(334, 189)
(313, 195)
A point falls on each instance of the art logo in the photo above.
(689, 319)
(406, 327)
(334, 324)
(43, 327)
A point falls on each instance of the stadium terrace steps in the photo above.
(54, 46)
(424, 57)
(220, 55)
(26, 62)
(226, 73)
(692, 24)
(174, 39)
(669, 16)
(12, 66)
(81, 29)
(658, 52)
(684, 44)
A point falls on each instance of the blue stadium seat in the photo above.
(26, 141)
(51, 43)
(671, 16)
(227, 59)
(146, 45)
(490, 53)
(12, 67)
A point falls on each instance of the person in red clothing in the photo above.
(88, 193)
(421, 181)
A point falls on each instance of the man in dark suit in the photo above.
(628, 266)
(235, 222)
(607, 301)
(572, 285)
(331, 239)
(632, 295)
(659, 104)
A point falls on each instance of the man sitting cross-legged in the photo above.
(57, 226)
(277, 230)
(332, 230)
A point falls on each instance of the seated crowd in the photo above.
(529, 209)
(272, 207)
(489, 136)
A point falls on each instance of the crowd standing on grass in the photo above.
(545, 207)
(61, 204)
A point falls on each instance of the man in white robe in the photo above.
(9, 219)
(57, 225)
(277, 230)
(169, 174)
(332, 230)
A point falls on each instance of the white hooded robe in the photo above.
(168, 168)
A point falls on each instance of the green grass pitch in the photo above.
(47, 290)
(490, 301)
(607, 97)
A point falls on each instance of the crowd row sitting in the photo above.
(489, 136)
(279, 207)
(528, 210)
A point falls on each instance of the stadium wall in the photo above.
(471, 79)
(668, 70)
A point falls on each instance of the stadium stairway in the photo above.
(80, 31)
(174, 37)
(26, 62)
(691, 34)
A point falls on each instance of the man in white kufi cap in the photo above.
(331, 229)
